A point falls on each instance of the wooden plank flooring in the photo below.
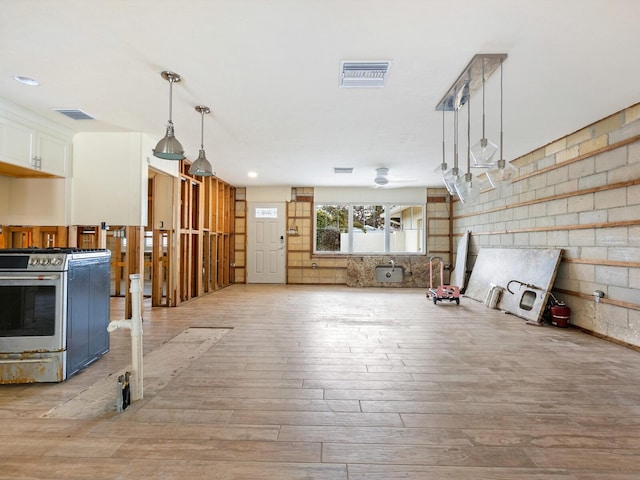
(336, 383)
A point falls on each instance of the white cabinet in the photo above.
(16, 142)
(51, 154)
(33, 148)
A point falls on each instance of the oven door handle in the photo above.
(30, 277)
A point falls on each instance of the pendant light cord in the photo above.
(443, 156)
(469, 135)
(170, 100)
(501, 95)
(483, 135)
(202, 130)
(455, 140)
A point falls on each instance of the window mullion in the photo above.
(350, 229)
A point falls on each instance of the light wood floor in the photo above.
(344, 383)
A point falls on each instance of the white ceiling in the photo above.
(269, 71)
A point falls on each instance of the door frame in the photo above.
(251, 233)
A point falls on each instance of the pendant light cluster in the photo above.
(467, 186)
(169, 148)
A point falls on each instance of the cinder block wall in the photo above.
(580, 193)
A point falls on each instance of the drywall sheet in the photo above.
(528, 272)
(460, 270)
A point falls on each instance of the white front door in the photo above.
(266, 243)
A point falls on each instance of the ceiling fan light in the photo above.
(169, 148)
(483, 152)
(202, 167)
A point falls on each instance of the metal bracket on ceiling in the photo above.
(470, 80)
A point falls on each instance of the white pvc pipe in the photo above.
(135, 325)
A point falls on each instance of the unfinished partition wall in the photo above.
(205, 235)
(580, 193)
(239, 265)
(440, 232)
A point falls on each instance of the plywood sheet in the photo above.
(529, 273)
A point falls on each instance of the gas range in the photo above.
(54, 312)
(45, 259)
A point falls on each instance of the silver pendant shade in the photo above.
(202, 167)
(169, 148)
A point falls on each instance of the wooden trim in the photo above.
(617, 303)
(602, 188)
(607, 338)
(599, 151)
(606, 263)
(628, 223)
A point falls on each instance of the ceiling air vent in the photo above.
(75, 114)
(363, 74)
(342, 169)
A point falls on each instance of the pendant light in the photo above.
(169, 148)
(483, 151)
(452, 176)
(201, 166)
(504, 172)
(442, 168)
(467, 187)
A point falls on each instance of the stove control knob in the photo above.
(56, 261)
(33, 261)
(45, 261)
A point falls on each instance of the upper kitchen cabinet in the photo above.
(16, 142)
(52, 154)
(33, 147)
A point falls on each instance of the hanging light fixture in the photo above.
(169, 148)
(202, 167)
(504, 172)
(467, 187)
(452, 176)
(442, 168)
(470, 80)
(483, 151)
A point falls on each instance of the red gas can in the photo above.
(560, 315)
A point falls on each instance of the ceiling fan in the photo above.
(382, 178)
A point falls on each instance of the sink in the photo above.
(527, 300)
(389, 273)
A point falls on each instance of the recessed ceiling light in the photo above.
(32, 82)
(252, 174)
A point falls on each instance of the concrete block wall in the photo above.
(580, 193)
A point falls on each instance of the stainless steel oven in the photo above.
(54, 311)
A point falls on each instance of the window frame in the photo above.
(388, 206)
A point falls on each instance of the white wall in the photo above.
(109, 182)
(35, 201)
(5, 183)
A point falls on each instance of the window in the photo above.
(262, 212)
(358, 228)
